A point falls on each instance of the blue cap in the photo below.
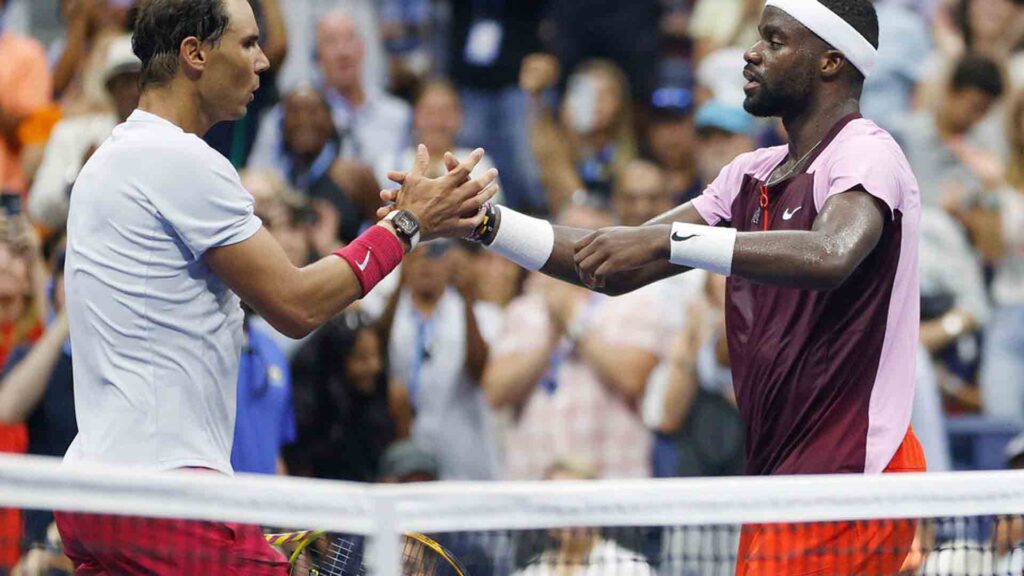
(726, 117)
(673, 100)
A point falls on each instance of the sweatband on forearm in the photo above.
(525, 240)
(706, 247)
(372, 256)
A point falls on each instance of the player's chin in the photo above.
(239, 112)
(755, 106)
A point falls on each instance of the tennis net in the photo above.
(198, 523)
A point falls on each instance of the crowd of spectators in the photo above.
(596, 112)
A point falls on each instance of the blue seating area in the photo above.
(979, 442)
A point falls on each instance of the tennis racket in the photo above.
(319, 553)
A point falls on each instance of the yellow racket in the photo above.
(319, 553)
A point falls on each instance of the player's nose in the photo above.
(752, 56)
(262, 62)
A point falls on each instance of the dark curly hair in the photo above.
(858, 13)
(162, 25)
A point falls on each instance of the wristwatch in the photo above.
(406, 225)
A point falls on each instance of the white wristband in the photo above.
(705, 247)
(525, 240)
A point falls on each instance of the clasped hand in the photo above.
(604, 253)
(448, 206)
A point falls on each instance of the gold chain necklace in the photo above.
(773, 181)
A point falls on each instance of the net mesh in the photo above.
(130, 522)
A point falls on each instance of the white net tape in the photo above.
(385, 512)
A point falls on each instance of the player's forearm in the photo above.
(560, 265)
(25, 385)
(537, 245)
(319, 292)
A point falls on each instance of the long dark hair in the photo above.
(342, 431)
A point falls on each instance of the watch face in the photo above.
(406, 223)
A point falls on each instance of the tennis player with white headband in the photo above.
(819, 240)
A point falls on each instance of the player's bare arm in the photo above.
(297, 300)
(844, 233)
(564, 263)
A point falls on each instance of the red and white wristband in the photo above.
(372, 256)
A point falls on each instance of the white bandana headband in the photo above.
(832, 29)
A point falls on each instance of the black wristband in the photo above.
(489, 228)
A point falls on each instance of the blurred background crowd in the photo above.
(596, 112)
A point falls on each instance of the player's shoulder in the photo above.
(863, 137)
(187, 153)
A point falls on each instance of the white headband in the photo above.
(832, 29)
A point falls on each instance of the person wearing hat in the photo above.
(724, 131)
(74, 139)
(405, 461)
(671, 141)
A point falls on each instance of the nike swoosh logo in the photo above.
(787, 214)
(677, 238)
(366, 261)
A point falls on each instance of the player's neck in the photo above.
(809, 128)
(178, 107)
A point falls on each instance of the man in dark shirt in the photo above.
(819, 240)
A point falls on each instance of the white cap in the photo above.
(120, 58)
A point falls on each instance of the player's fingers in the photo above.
(475, 203)
(419, 167)
(585, 246)
(461, 173)
(383, 211)
(397, 177)
(389, 195)
(591, 262)
(450, 161)
(476, 185)
(467, 225)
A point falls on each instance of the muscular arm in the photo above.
(846, 230)
(562, 264)
(294, 300)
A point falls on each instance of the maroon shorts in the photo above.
(101, 544)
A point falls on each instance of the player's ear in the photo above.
(193, 56)
(832, 64)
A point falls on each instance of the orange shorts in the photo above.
(873, 547)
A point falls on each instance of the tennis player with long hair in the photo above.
(162, 242)
(819, 240)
